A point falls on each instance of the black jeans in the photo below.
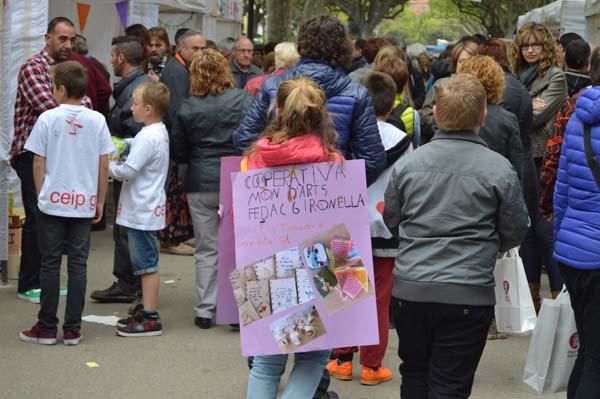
(29, 273)
(584, 291)
(56, 234)
(440, 346)
(122, 268)
(538, 247)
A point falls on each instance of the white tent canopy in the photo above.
(560, 16)
(592, 21)
(24, 22)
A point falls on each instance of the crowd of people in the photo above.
(488, 147)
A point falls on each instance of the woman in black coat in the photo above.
(501, 128)
(202, 134)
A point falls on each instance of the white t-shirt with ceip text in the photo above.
(143, 201)
(71, 138)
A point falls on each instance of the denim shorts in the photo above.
(143, 251)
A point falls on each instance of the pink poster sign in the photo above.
(227, 311)
(304, 273)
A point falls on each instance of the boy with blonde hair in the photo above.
(70, 165)
(142, 204)
(455, 204)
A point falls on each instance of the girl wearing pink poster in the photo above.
(302, 132)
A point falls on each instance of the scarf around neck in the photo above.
(528, 74)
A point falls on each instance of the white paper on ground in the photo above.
(106, 320)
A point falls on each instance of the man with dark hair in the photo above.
(158, 51)
(180, 32)
(139, 32)
(358, 59)
(34, 96)
(241, 62)
(127, 55)
(577, 65)
(176, 75)
(563, 41)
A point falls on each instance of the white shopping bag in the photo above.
(553, 347)
(514, 309)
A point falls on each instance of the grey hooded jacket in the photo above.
(456, 204)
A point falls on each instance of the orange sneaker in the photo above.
(369, 376)
(342, 371)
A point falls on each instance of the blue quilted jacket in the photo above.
(576, 195)
(348, 103)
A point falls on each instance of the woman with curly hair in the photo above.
(535, 63)
(325, 50)
(501, 128)
(201, 135)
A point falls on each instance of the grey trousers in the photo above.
(204, 208)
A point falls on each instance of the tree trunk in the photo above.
(278, 20)
(312, 8)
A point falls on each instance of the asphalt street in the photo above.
(185, 362)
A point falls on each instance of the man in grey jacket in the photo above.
(127, 55)
(455, 204)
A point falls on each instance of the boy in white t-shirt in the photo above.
(70, 169)
(142, 204)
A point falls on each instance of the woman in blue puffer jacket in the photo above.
(577, 234)
(325, 49)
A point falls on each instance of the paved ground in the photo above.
(185, 362)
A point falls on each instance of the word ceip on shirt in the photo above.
(74, 200)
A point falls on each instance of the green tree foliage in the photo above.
(499, 17)
(443, 21)
(365, 15)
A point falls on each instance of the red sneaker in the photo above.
(34, 335)
(71, 338)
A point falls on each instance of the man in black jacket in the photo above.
(126, 57)
(176, 76)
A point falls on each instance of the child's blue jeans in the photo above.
(266, 373)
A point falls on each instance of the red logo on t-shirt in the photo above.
(74, 124)
(574, 341)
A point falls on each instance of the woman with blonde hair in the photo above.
(286, 56)
(302, 132)
(536, 63)
(201, 135)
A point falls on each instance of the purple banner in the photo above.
(122, 10)
(304, 270)
(227, 311)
